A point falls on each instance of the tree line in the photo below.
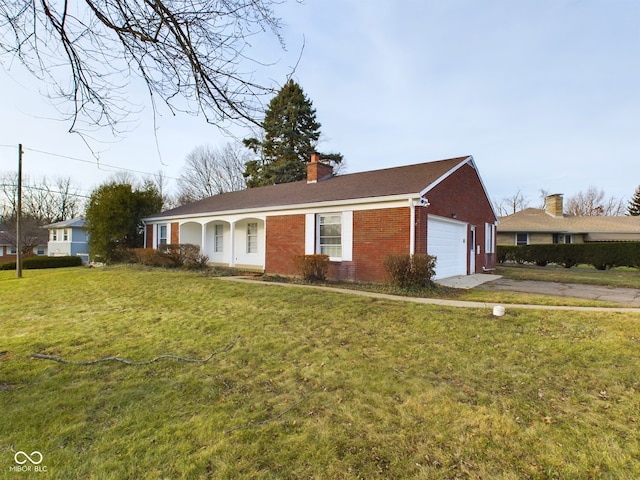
(587, 203)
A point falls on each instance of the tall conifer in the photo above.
(291, 134)
(634, 204)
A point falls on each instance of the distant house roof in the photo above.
(8, 236)
(74, 222)
(5, 238)
(538, 220)
(411, 179)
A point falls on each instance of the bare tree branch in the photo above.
(189, 53)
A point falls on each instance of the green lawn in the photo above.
(306, 384)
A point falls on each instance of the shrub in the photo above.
(41, 262)
(410, 271)
(170, 256)
(312, 267)
(184, 255)
(150, 257)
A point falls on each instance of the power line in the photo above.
(95, 162)
(43, 189)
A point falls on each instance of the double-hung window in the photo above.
(522, 239)
(330, 235)
(218, 238)
(252, 237)
(162, 234)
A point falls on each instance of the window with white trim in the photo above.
(54, 235)
(330, 235)
(489, 237)
(252, 237)
(162, 234)
(522, 239)
(218, 238)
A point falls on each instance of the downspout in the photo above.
(412, 227)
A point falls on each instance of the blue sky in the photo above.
(544, 94)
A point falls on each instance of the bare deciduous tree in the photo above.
(159, 179)
(210, 171)
(190, 54)
(43, 201)
(592, 202)
(512, 204)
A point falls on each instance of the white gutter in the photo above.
(293, 207)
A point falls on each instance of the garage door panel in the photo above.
(447, 240)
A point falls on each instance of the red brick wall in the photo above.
(462, 194)
(175, 233)
(149, 240)
(284, 241)
(376, 234)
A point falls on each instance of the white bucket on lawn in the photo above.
(498, 311)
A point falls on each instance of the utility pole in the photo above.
(19, 217)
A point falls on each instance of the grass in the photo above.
(471, 295)
(315, 384)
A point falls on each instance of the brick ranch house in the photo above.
(441, 208)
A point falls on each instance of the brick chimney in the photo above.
(318, 170)
(553, 205)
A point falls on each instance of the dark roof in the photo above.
(410, 179)
(71, 223)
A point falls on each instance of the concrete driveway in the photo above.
(624, 296)
(628, 297)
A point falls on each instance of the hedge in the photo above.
(173, 255)
(39, 262)
(602, 255)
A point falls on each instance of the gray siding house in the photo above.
(68, 238)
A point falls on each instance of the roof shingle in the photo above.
(537, 220)
(408, 179)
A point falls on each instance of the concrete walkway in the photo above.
(436, 301)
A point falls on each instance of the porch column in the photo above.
(203, 245)
(232, 244)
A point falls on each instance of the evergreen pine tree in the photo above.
(291, 134)
(634, 204)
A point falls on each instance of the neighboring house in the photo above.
(8, 245)
(441, 208)
(550, 225)
(68, 238)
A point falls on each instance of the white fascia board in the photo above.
(333, 205)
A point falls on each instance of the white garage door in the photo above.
(447, 240)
